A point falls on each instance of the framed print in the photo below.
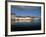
(25, 18)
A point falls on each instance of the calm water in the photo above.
(23, 26)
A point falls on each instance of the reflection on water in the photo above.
(26, 24)
(22, 26)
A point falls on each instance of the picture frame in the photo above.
(8, 31)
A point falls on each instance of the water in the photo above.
(35, 22)
(23, 26)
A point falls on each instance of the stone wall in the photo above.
(27, 19)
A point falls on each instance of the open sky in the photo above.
(26, 10)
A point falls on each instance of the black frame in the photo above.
(6, 32)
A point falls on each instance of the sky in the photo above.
(26, 10)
